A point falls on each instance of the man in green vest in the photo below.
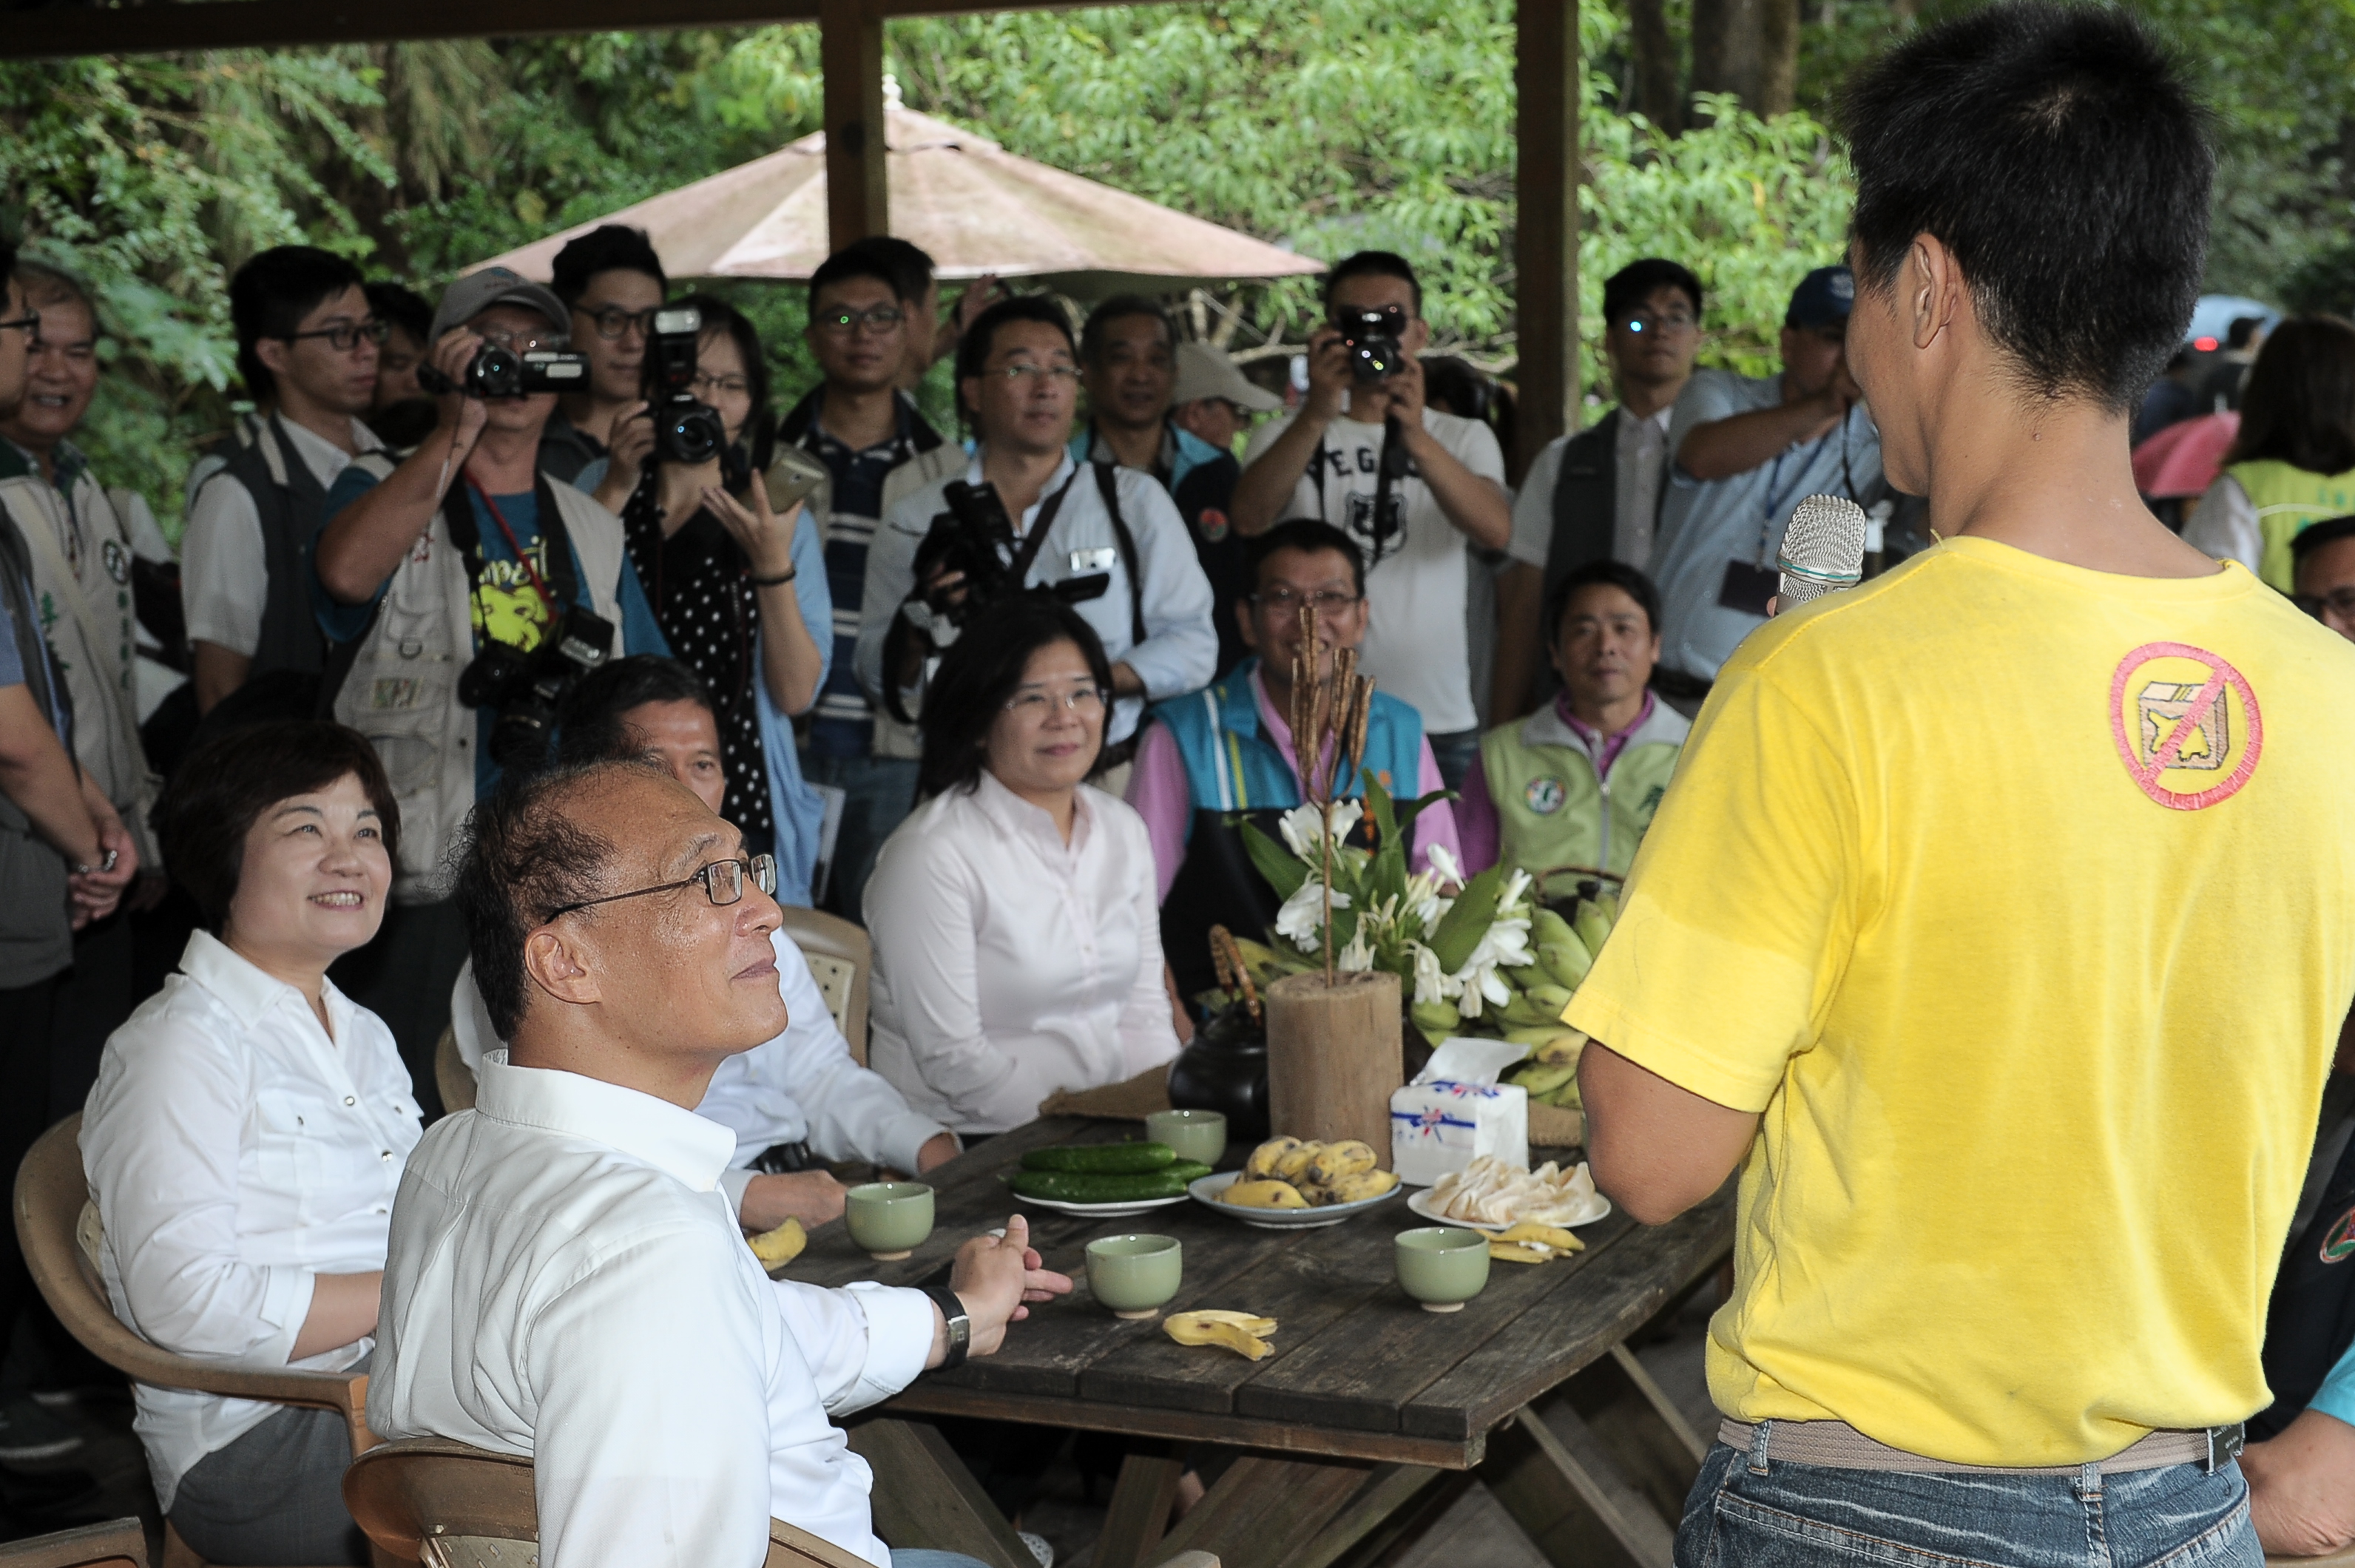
(1575, 783)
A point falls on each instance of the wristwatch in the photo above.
(960, 1324)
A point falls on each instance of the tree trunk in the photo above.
(1778, 58)
(1659, 96)
(1749, 48)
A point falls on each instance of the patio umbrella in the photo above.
(973, 205)
(2183, 459)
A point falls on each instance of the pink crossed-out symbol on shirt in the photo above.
(2195, 720)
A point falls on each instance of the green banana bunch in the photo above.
(1594, 925)
(1546, 926)
(1566, 963)
(1549, 999)
(1524, 1013)
(1541, 1078)
(1439, 1019)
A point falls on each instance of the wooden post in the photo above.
(1333, 1057)
(1545, 246)
(850, 54)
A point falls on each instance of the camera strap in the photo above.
(458, 513)
(1108, 482)
(1035, 539)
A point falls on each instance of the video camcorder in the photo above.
(500, 372)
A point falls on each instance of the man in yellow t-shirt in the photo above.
(1999, 923)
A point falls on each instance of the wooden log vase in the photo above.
(1333, 1057)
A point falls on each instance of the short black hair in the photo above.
(1119, 308)
(718, 315)
(910, 265)
(589, 727)
(270, 294)
(860, 261)
(1310, 535)
(1617, 574)
(2056, 151)
(1454, 385)
(221, 789)
(2298, 406)
(403, 308)
(1373, 264)
(2244, 327)
(608, 248)
(1638, 281)
(981, 670)
(521, 858)
(973, 350)
(2314, 536)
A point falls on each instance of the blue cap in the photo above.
(1822, 299)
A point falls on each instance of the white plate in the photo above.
(1102, 1211)
(1422, 1204)
(1206, 1190)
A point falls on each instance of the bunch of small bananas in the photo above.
(1287, 1173)
(1241, 1332)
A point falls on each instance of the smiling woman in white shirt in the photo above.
(247, 1132)
(1018, 946)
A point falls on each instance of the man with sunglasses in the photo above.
(1447, 492)
(464, 546)
(611, 283)
(306, 347)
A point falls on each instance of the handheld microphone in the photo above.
(1823, 549)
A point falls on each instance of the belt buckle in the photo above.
(2225, 1445)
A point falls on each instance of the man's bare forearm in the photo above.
(1475, 506)
(363, 544)
(1266, 487)
(39, 778)
(219, 672)
(1736, 444)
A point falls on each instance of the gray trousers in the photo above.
(275, 1496)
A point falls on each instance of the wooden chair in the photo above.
(57, 1226)
(840, 959)
(110, 1545)
(451, 1073)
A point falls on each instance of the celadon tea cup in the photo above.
(1134, 1274)
(1443, 1266)
(888, 1220)
(1198, 1136)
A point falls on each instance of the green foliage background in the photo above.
(1323, 124)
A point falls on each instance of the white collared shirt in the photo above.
(1181, 650)
(800, 1087)
(567, 1282)
(224, 573)
(237, 1152)
(1009, 965)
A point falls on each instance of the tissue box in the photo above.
(1455, 1111)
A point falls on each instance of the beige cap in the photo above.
(1205, 371)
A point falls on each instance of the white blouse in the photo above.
(237, 1153)
(1009, 965)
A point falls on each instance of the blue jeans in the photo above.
(1800, 1516)
(925, 1557)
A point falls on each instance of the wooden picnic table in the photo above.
(1369, 1412)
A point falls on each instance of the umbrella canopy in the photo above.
(2183, 459)
(973, 205)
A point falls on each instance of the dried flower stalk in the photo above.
(1327, 714)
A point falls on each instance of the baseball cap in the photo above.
(1822, 299)
(475, 293)
(1205, 371)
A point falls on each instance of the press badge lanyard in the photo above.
(1774, 502)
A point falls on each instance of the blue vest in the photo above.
(1232, 765)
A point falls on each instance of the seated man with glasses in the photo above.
(611, 283)
(2322, 556)
(564, 1280)
(1227, 751)
(452, 574)
(1594, 495)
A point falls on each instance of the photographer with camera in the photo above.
(463, 579)
(735, 570)
(1409, 483)
(1105, 539)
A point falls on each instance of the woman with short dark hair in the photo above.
(1017, 944)
(247, 1132)
(2294, 461)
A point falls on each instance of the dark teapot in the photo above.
(1225, 1070)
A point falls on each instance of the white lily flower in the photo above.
(1514, 886)
(1422, 903)
(1506, 943)
(1356, 956)
(1301, 918)
(1444, 867)
(1304, 827)
(1431, 984)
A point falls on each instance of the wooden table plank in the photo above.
(1264, 1508)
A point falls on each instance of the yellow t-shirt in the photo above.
(2020, 900)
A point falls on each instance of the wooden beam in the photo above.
(1545, 245)
(850, 52)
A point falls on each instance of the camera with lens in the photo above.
(1371, 336)
(969, 538)
(497, 371)
(687, 430)
(526, 688)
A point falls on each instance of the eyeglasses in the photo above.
(878, 318)
(345, 336)
(2339, 601)
(1033, 375)
(723, 883)
(1644, 321)
(29, 324)
(1038, 705)
(707, 385)
(1286, 600)
(516, 344)
(613, 321)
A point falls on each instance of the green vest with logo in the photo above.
(2287, 498)
(1554, 809)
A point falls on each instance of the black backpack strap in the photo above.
(1108, 484)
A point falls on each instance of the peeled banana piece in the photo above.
(1517, 1253)
(1264, 1159)
(1544, 1235)
(1237, 1331)
(781, 1246)
(1333, 1162)
(1266, 1193)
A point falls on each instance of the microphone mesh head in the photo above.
(1823, 548)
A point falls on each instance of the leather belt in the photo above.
(1837, 1444)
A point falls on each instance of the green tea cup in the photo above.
(888, 1220)
(1134, 1274)
(1198, 1136)
(1443, 1266)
